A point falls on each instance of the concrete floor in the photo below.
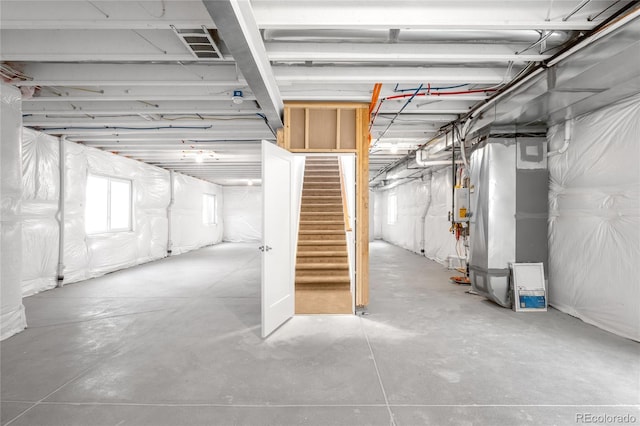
(176, 342)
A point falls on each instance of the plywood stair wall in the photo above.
(322, 265)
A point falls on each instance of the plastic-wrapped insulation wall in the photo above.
(40, 227)
(594, 219)
(87, 256)
(12, 317)
(412, 198)
(242, 213)
(188, 231)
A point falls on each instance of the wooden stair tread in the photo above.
(321, 197)
(333, 265)
(322, 242)
(320, 279)
(331, 253)
(322, 232)
(321, 222)
(323, 212)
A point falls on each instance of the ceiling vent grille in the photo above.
(201, 42)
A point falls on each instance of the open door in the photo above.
(278, 291)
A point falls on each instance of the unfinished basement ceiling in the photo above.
(137, 78)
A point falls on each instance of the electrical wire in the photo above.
(210, 117)
(11, 73)
(164, 9)
(128, 128)
(396, 116)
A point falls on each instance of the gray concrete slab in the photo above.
(178, 342)
(513, 415)
(40, 360)
(10, 410)
(213, 357)
(444, 346)
(109, 415)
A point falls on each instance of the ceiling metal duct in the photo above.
(413, 36)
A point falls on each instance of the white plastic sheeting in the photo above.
(188, 231)
(594, 219)
(12, 317)
(242, 213)
(87, 256)
(412, 199)
(439, 242)
(41, 191)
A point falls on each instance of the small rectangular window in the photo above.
(392, 209)
(108, 205)
(209, 209)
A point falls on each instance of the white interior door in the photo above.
(278, 291)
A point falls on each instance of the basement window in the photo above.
(209, 209)
(392, 209)
(108, 205)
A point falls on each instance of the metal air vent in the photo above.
(201, 42)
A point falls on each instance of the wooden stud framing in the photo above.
(280, 138)
(287, 128)
(362, 208)
(317, 151)
(306, 128)
(338, 113)
(345, 200)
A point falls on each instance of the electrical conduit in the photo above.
(169, 207)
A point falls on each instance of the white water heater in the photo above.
(461, 205)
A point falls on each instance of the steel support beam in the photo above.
(239, 30)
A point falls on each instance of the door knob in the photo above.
(264, 248)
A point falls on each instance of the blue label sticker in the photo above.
(532, 302)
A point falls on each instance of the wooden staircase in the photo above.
(322, 265)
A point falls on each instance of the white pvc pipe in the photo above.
(423, 217)
(436, 163)
(61, 216)
(169, 207)
(567, 139)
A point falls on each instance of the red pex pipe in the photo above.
(466, 92)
